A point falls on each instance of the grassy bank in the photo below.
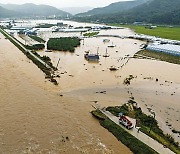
(36, 38)
(163, 32)
(63, 44)
(35, 47)
(159, 56)
(148, 125)
(135, 145)
(91, 34)
(42, 67)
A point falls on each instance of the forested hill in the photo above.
(114, 7)
(5, 13)
(31, 10)
(153, 11)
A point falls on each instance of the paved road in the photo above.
(141, 136)
(29, 51)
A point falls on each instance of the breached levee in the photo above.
(36, 119)
(36, 116)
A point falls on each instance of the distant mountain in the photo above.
(152, 11)
(30, 9)
(114, 7)
(5, 13)
(76, 10)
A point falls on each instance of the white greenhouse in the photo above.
(166, 48)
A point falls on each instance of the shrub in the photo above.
(36, 38)
(35, 47)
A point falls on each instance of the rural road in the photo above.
(141, 136)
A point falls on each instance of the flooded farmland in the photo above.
(38, 117)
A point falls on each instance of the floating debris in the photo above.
(48, 50)
(112, 68)
(112, 45)
(106, 40)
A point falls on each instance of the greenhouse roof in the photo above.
(168, 47)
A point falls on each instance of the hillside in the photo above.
(5, 13)
(30, 9)
(76, 10)
(153, 11)
(172, 17)
(114, 7)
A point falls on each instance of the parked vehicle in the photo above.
(123, 120)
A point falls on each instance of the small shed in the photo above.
(91, 57)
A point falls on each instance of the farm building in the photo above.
(166, 48)
(91, 57)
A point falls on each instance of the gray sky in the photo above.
(64, 3)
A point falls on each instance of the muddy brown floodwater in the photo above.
(34, 118)
(84, 80)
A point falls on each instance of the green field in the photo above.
(159, 56)
(91, 34)
(163, 32)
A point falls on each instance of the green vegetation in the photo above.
(151, 11)
(46, 59)
(149, 125)
(63, 43)
(36, 38)
(35, 47)
(135, 145)
(158, 55)
(161, 31)
(91, 34)
(116, 7)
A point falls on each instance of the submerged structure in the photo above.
(91, 57)
(166, 48)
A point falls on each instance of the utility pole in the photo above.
(58, 63)
(97, 50)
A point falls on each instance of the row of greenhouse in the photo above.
(154, 39)
(166, 48)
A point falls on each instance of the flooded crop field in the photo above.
(38, 117)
